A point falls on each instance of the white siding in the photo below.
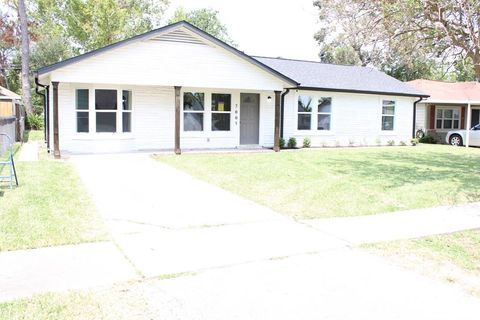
(153, 121)
(169, 64)
(355, 118)
(421, 117)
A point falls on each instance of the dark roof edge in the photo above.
(401, 94)
(189, 26)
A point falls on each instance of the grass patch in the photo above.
(342, 182)
(50, 207)
(33, 135)
(454, 257)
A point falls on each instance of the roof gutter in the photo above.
(282, 110)
(400, 94)
(46, 109)
(414, 133)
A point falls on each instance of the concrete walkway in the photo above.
(401, 225)
(26, 272)
(29, 151)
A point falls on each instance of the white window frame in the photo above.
(454, 109)
(123, 111)
(87, 111)
(305, 112)
(204, 111)
(212, 112)
(324, 113)
(394, 115)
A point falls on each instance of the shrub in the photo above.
(281, 143)
(307, 142)
(427, 139)
(414, 142)
(34, 122)
(391, 142)
(292, 143)
(403, 143)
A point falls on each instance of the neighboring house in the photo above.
(179, 87)
(11, 123)
(8, 101)
(451, 106)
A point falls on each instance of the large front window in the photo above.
(388, 115)
(193, 109)
(324, 113)
(221, 108)
(448, 118)
(106, 110)
(304, 113)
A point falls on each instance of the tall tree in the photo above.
(25, 52)
(7, 46)
(205, 19)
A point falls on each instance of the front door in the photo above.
(249, 118)
(475, 117)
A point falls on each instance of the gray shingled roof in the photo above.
(334, 77)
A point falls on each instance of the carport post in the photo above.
(469, 123)
(56, 143)
(276, 134)
(177, 120)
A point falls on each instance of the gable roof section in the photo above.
(448, 92)
(160, 34)
(341, 78)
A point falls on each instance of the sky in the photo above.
(275, 28)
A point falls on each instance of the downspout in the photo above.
(45, 108)
(282, 109)
(414, 133)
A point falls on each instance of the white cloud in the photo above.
(266, 27)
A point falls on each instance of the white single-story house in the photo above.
(450, 106)
(178, 87)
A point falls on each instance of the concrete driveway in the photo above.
(248, 262)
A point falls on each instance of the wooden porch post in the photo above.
(56, 143)
(276, 136)
(177, 120)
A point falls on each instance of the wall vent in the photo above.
(178, 36)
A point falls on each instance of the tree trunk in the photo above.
(26, 93)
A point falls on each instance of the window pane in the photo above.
(388, 103)
(439, 124)
(127, 122)
(447, 124)
(304, 104)
(439, 113)
(456, 114)
(456, 124)
(220, 121)
(448, 114)
(82, 99)
(323, 122)
(387, 123)
(304, 121)
(192, 121)
(221, 102)
(106, 121)
(325, 105)
(82, 121)
(193, 101)
(127, 100)
(389, 110)
(106, 99)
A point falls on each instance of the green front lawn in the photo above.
(50, 207)
(342, 182)
(454, 257)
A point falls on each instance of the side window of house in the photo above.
(193, 110)
(448, 118)
(81, 107)
(324, 114)
(304, 113)
(106, 110)
(221, 109)
(388, 115)
(126, 111)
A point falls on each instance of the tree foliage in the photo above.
(205, 19)
(436, 39)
